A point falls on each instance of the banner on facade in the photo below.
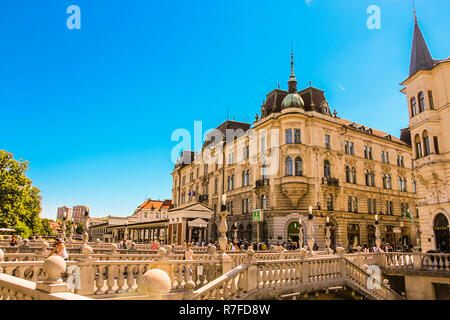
(257, 215)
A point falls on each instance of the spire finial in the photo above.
(292, 57)
(414, 10)
(292, 81)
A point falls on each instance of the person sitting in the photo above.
(13, 241)
(60, 249)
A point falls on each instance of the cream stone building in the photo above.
(427, 91)
(295, 155)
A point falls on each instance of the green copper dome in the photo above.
(292, 100)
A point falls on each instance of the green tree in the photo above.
(79, 228)
(20, 202)
(46, 230)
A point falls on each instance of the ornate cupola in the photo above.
(293, 99)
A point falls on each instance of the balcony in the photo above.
(261, 183)
(330, 181)
(294, 187)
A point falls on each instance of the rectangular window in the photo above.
(369, 205)
(346, 147)
(205, 168)
(366, 153)
(327, 142)
(370, 153)
(387, 157)
(297, 136)
(374, 206)
(288, 136)
(352, 150)
(426, 143)
(430, 99)
(436, 145)
(382, 156)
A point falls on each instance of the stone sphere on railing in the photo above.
(86, 250)
(303, 252)
(386, 282)
(98, 241)
(162, 252)
(45, 244)
(26, 243)
(155, 283)
(340, 250)
(359, 248)
(250, 252)
(213, 249)
(365, 267)
(53, 267)
(113, 247)
(190, 286)
(168, 248)
(2, 255)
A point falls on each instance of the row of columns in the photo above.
(202, 235)
(145, 234)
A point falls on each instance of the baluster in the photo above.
(180, 275)
(120, 279)
(226, 290)
(233, 287)
(140, 273)
(130, 278)
(258, 276)
(110, 279)
(99, 281)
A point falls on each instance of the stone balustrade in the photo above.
(265, 279)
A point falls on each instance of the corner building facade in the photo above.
(295, 155)
(427, 91)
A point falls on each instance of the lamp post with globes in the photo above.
(300, 233)
(311, 240)
(377, 233)
(223, 225)
(328, 235)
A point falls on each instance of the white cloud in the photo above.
(341, 87)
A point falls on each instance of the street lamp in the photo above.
(377, 233)
(300, 233)
(310, 230)
(223, 225)
(328, 235)
(235, 232)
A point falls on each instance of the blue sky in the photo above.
(93, 110)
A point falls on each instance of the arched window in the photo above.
(384, 182)
(404, 184)
(372, 178)
(426, 143)
(367, 178)
(413, 106)
(421, 102)
(298, 166)
(289, 166)
(400, 186)
(347, 174)
(414, 186)
(354, 175)
(389, 181)
(248, 177)
(326, 169)
(418, 145)
(244, 179)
